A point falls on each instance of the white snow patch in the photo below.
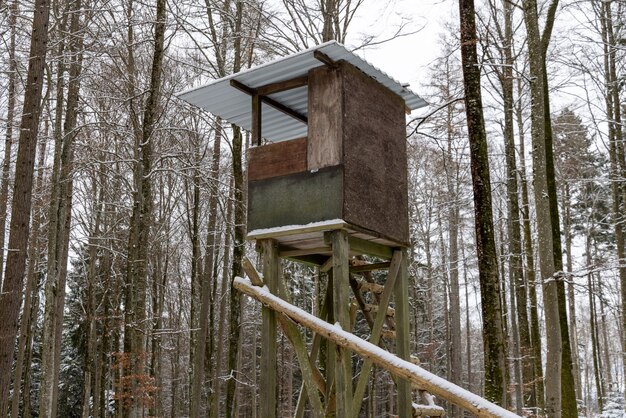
(287, 228)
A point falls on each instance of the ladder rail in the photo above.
(404, 369)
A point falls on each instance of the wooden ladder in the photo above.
(425, 405)
(427, 384)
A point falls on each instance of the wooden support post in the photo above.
(310, 375)
(392, 279)
(256, 119)
(330, 351)
(269, 349)
(401, 296)
(341, 297)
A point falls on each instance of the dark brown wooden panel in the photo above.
(374, 156)
(277, 159)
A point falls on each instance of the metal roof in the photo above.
(221, 99)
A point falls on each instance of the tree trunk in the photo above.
(568, 387)
(537, 389)
(59, 227)
(238, 236)
(140, 226)
(210, 268)
(197, 342)
(468, 327)
(90, 313)
(159, 288)
(571, 302)
(236, 269)
(597, 371)
(543, 214)
(215, 410)
(12, 284)
(8, 142)
(519, 318)
(456, 351)
(617, 170)
(208, 281)
(31, 301)
(493, 338)
(197, 288)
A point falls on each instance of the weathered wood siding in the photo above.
(295, 199)
(277, 159)
(325, 117)
(353, 166)
(374, 156)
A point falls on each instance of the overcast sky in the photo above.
(406, 58)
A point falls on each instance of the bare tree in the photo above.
(544, 220)
(493, 335)
(12, 284)
(60, 218)
(8, 142)
(141, 220)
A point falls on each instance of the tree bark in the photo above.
(31, 300)
(12, 284)
(141, 222)
(198, 339)
(519, 304)
(568, 387)
(597, 369)
(90, 358)
(493, 337)
(456, 351)
(197, 287)
(215, 406)
(8, 142)
(571, 301)
(617, 168)
(238, 236)
(529, 270)
(60, 218)
(544, 220)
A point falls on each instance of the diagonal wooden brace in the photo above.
(377, 328)
(310, 374)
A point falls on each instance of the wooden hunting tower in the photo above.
(350, 169)
(328, 146)
(327, 181)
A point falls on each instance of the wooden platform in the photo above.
(309, 243)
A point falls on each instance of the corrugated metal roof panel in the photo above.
(219, 98)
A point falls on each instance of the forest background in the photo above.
(122, 209)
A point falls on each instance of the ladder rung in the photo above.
(388, 333)
(374, 308)
(371, 287)
(428, 411)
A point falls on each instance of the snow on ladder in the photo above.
(403, 369)
(426, 406)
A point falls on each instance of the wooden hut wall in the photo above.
(352, 167)
(374, 156)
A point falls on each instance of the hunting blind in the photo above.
(327, 186)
